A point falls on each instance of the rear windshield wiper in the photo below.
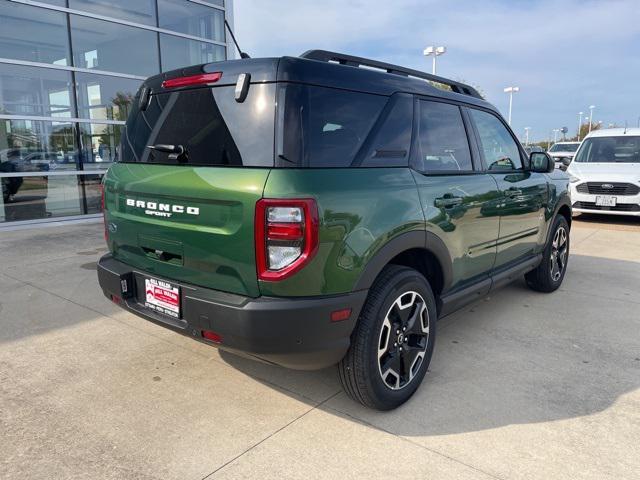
(176, 152)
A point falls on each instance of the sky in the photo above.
(565, 55)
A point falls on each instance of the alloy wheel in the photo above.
(559, 251)
(403, 340)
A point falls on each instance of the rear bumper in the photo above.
(291, 332)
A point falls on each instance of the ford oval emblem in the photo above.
(607, 186)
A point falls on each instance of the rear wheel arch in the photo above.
(423, 251)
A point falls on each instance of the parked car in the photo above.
(324, 209)
(562, 153)
(533, 148)
(605, 175)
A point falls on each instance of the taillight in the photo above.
(200, 79)
(286, 236)
(104, 215)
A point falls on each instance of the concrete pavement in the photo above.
(522, 385)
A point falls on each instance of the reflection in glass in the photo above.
(138, 11)
(180, 52)
(191, 18)
(36, 146)
(112, 47)
(100, 145)
(104, 97)
(33, 34)
(35, 91)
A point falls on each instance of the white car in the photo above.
(605, 173)
(562, 153)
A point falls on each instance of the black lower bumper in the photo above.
(293, 332)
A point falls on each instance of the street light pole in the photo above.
(434, 52)
(579, 123)
(511, 91)
(591, 107)
(555, 134)
(526, 133)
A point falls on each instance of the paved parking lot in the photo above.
(522, 385)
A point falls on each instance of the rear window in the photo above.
(323, 127)
(211, 127)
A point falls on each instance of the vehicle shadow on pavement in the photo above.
(515, 357)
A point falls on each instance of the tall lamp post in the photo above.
(434, 52)
(526, 136)
(591, 107)
(511, 91)
(555, 134)
(579, 123)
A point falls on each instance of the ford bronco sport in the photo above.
(324, 209)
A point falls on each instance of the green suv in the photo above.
(324, 209)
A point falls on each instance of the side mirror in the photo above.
(541, 162)
(566, 161)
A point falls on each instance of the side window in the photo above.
(443, 139)
(390, 140)
(500, 149)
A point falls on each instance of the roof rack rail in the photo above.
(343, 59)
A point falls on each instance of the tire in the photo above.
(385, 364)
(548, 276)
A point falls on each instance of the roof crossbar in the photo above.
(343, 59)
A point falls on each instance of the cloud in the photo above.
(563, 54)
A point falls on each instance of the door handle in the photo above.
(446, 202)
(513, 192)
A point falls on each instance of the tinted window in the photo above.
(34, 34)
(138, 11)
(179, 52)
(443, 139)
(391, 137)
(191, 18)
(324, 127)
(609, 150)
(212, 127)
(500, 149)
(108, 46)
(35, 91)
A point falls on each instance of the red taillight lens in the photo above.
(104, 215)
(286, 236)
(200, 79)
(212, 336)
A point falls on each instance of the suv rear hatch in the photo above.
(180, 202)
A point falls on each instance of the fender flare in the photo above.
(417, 239)
(563, 201)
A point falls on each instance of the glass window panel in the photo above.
(59, 3)
(38, 147)
(100, 145)
(192, 19)
(35, 91)
(138, 11)
(180, 52)
(35, 146)
(34, 34)
(112, 47)
(92, 193)
(443, 139)
(500, 149)
(104, 97)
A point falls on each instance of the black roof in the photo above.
(330, 69)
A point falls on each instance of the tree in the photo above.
(584, 130)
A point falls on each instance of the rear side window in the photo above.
(323, 127)
(443, 139)
(208, 123)
(500, 149)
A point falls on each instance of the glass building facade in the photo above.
(68, 72)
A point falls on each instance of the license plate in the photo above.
(606, 201)
(162, 297)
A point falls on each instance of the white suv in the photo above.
(562, 153)
(605, 173)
